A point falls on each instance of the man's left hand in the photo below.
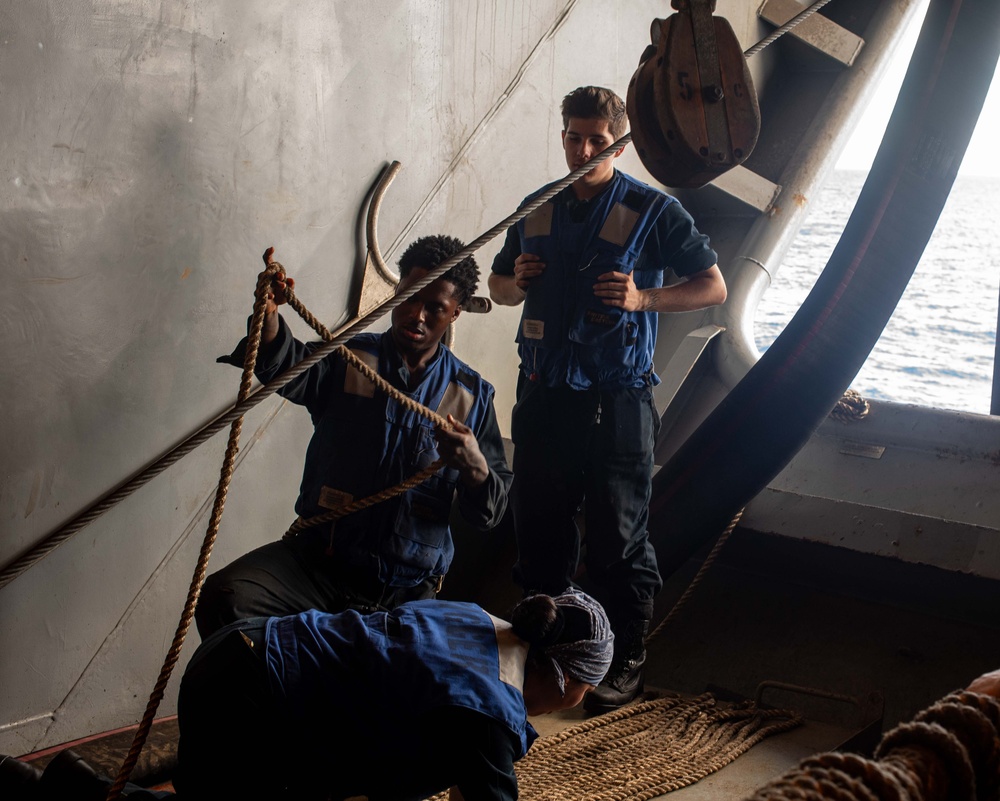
(619, 290)
(460, 450)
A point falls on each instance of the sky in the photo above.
(980, 158)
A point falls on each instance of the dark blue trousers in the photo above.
(286, 577)
(594, 450)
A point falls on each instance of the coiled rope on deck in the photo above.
(643, 750)
(949, 752)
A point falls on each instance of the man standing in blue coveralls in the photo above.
(588, 266)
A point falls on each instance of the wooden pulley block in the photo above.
(691, 104)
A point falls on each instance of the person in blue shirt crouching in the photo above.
(390, 705)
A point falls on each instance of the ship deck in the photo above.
(853, 643)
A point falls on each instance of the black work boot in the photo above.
(624, 680)
(69, 776)
(18, 780)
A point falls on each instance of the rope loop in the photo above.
(380, 383)
(415, 480)
(850, 408)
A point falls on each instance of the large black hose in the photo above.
(766, 418)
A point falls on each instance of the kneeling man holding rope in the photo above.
(366, 441)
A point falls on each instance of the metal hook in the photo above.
(478, 305)
(374, 252)
(378, 281)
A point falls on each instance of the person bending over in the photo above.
(386, 705)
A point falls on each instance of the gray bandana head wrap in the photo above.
(587, 659)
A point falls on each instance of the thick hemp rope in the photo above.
(380, 383)
(949, 752)
(201, 568)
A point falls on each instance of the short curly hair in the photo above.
(596, 103)
(430, 251)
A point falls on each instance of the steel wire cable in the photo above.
(39, 551)
(340, 336)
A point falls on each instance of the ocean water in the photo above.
(938, 347)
